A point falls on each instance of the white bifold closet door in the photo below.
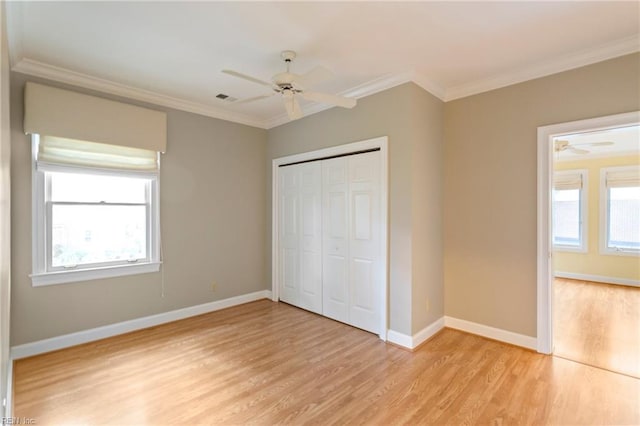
(301, 236)
(330, 238)
(351, 252)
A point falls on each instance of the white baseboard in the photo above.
(399, 339)
(67, 340)
(411, 342)
(597, 278)
(491, 332)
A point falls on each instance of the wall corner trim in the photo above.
(77, 338)
(491, 332)
(412, 342)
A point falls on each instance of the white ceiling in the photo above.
(171, 53)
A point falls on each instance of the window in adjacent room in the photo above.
(569, 210)
(620, 210)
(95, 210)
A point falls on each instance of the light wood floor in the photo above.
(267, 363)
(598, 324)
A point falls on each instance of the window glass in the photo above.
(82, 187)
(624, 218)
(566, 217)
(87, 234)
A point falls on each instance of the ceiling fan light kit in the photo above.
(290, 86)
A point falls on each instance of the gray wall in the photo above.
(472, 198)
(213, 228)
(412, 120)
(490, 185)
(427, 297)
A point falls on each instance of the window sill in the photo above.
(569, 249)
(610, 252)
(51, 278)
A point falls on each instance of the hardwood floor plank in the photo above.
(598, 324)
(270, 363)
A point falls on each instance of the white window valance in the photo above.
(622, 177)
(59, 113)
(61, 151)
(567, 180)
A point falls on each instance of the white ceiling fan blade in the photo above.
(578, 150)
(326, 98)
(293, 107)
(313, 77)
(247, 77)
(605, 143)
(255, 98)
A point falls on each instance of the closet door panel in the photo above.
(289, 235)
(311, 236)
(365, 280)
(335, 302)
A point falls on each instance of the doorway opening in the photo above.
(589, 242)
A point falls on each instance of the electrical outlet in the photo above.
(427, 304)
(214, 286)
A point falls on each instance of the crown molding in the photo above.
(600, 53)
(376, 85)
(13, 21)
(429, 85)
(63, 75)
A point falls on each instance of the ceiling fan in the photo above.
(290, 86)
(564, 145)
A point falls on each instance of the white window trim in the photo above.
(584, 214)
(604, 215)
(40, 276)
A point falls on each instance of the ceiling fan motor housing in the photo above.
(288, 55)
(284, 79)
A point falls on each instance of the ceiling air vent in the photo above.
(226, 97)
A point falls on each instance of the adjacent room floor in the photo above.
(267, 363)
(598, 324)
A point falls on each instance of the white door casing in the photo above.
(544, 250)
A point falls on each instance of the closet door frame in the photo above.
(380, 143)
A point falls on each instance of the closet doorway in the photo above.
(329, 233)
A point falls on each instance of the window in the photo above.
(95, 211)
(569, 210)
(620, 211)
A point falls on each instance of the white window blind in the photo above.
(623, 177)
(52, 150)
(567, 180)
